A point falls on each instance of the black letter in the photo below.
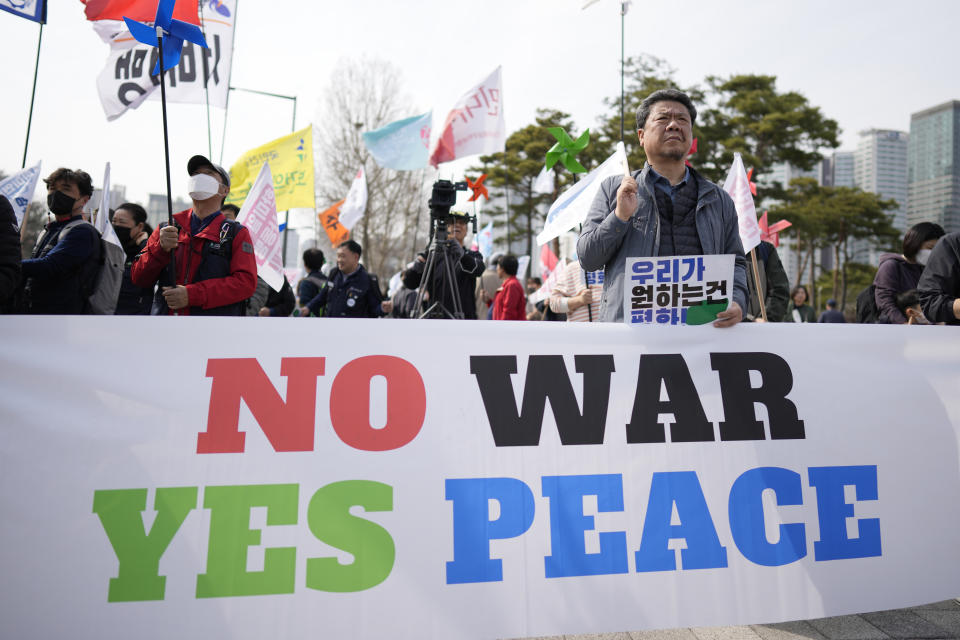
(691, 424)
(738, 396)
(188, 63)
(122, 68)
(546, 378)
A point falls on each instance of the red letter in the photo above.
(350, 403)
(288, 425)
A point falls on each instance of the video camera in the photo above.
(442, 198)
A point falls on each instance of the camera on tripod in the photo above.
(442, 198)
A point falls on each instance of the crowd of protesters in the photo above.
(204, 263)
(213, 255)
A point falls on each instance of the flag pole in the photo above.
(226, 107)
(206, 86)
(166, 151)
(756, 282)
(623, 14)
(33, 95)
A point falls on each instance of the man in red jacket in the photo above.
(511, 301)
(216, 267)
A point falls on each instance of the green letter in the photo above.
(231, 536)
(139, 554)
(371, 545)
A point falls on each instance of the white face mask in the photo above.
(202, 187)
(922, 256)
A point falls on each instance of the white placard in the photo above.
(662, 290)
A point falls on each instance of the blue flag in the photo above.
(402, 145)
(35, 10)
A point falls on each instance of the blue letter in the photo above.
(567, 524)
(746, 516)
(696, 527)
(834, 511)
(473, 530)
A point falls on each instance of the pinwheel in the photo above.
(771, 233)
(478, 188)
(167, 33)
(753, 185)
(566, 150)
(693, 150)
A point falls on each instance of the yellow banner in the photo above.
(291, 162)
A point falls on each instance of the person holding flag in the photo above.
(216, 267)
(665, 209)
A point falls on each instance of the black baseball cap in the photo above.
(198, 162)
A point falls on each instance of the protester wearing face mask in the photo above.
(215, 267)
(59, 275)
(899, 273)
(130, 223)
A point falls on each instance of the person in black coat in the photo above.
(130, 223)
(939, 287)
(9, 255)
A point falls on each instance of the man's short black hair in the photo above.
(906, 300)
(919, 233)
(674, 95)
(535, 280)
(79, 177)
(231, 207)
(352, 246)
(313, 259)
(509, 264)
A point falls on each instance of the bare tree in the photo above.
(364, 94)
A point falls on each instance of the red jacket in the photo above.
(210, 292)
(511, 302)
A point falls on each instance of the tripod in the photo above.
(440, 256)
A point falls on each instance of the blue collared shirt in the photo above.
(664, 185)
(197, 225)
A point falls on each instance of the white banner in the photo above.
(259, 215)
(249, 481)
(475, 124)
(125, 81)
(19, 189)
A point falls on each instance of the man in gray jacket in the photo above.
(667, 209)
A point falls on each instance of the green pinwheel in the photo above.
(566, 149)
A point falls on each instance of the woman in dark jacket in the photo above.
(901, 273)
(799, 310)
(130, 223)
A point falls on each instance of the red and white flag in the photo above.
(475, 124)
(548, 261)
(738, 186)
(201, 75)
(259, 216)
(355, 204)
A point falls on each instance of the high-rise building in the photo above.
(933, 162)
(880, 166)
(839, 170)
(157, 207)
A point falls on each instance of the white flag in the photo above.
(572, 206)
(355, 205)
(125, 81)
(544, 182)
(19, 189)
(523, 262)
(475, 124)
(102, 221)
(738, 186)
(259, 216)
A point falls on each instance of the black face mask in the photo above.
(123, 234)
(60, 203)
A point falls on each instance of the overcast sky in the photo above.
(865, 63)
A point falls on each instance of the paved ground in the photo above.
(937, 621)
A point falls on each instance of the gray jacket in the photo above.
(606, 241)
